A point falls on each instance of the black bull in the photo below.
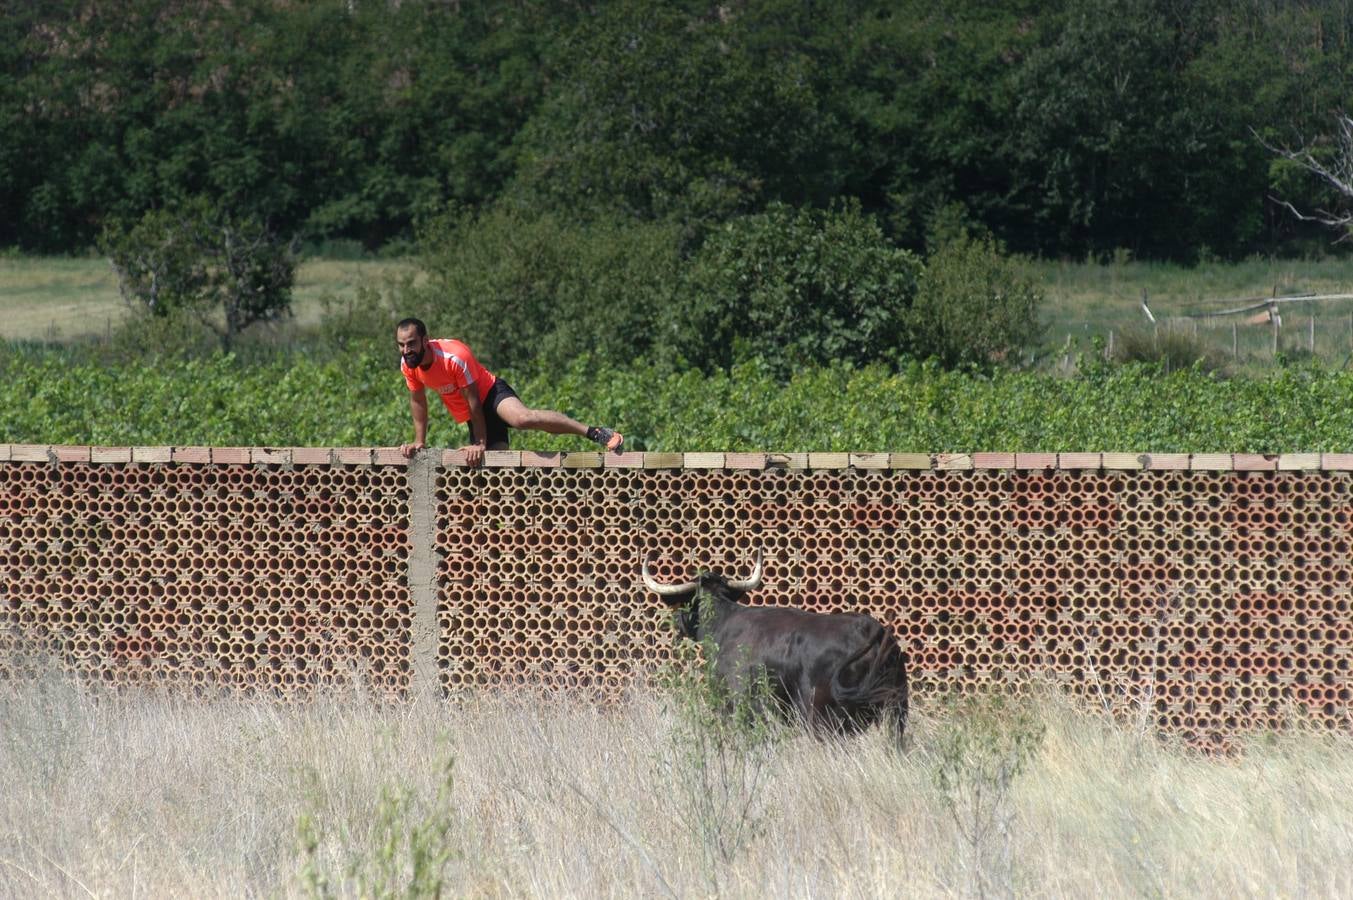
(836, 671)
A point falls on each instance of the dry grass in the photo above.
(142, 795)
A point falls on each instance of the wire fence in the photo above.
(1243, 333)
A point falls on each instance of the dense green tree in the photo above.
(423, 106)
(1064, 127)
(18, 168)
(927, 90)
(1273, 74)
(683, 111)
(1104, 136)
(228, 269)
(796, 287)
(337, 118)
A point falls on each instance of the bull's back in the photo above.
(849, 627)
(797, 643)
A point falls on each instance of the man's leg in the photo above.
(491, 445)
(518, 415)
(497, 438)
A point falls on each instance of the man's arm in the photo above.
(474, 452)
(418, 405)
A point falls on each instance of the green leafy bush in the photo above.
(537, 290)
(795, 288)
(974, 306)
(157, 264)
(358, 398)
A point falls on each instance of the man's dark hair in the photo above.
(417, 325)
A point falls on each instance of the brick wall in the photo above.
(1214, 588)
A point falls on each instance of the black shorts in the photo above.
(495, 426)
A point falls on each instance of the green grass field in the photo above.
(1087, 300)
(60, 299)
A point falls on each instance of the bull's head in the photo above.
(686, 596)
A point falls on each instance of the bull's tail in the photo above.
(882, 685)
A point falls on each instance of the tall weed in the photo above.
(985, 745)
(405, 853)
(1170, 348)
(719, 758)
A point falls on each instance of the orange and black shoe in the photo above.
(611, 440)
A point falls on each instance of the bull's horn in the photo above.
(664, 590)
(752, 581)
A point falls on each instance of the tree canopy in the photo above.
(1064, 127)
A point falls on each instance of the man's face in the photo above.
(411, 346)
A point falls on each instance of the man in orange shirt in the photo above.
(473, 394)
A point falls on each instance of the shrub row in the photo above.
(359, 399)
(793, 287)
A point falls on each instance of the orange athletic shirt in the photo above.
(453, 367)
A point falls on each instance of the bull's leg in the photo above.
(897, 721)
(816, 700)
